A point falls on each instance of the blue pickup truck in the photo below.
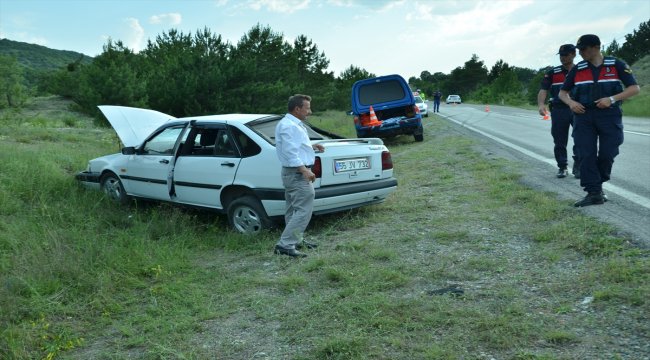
(393, 104)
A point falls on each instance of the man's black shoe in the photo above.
(605, 198)
(289, 252)
(591, 199)
(562, 173)
(306, 245)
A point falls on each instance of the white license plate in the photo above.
(351, 164)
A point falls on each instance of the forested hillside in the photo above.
(39, 57)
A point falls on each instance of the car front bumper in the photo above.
(88, 179)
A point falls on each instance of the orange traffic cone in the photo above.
(373, 118)
(546, 117)
(487, 108)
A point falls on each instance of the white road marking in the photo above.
(633, 197)
(636, 133)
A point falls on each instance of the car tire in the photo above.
(418, 135)
(111, 185)
(247, 215)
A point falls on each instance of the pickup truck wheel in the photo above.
(247, 216)
(112, 187)
(419, 134)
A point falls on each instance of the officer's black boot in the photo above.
(592, 198)
(576, 168)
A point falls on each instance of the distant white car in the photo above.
(453, 99)
(422, 105)
(228, 163)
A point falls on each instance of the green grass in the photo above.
(83, 278)
(638, 105)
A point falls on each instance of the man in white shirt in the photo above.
(297, 156)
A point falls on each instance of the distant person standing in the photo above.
(598, 83)
(296, 154)
(561, 115)
(436, 101)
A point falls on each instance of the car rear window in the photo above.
(267, 130)
(385, 91)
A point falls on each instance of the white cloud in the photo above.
(421, 11)
(134, 37)
(170, 19)
(341, 3)
(279, 6)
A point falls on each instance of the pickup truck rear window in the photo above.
(380, 92)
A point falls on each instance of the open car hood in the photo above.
(133, 125)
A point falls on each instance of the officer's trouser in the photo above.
(597, 133)
(561, 121)
(299, 195)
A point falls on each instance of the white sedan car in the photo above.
(455, 99)
(422, 106)
(228, 163)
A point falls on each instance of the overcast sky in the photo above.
(381, 36)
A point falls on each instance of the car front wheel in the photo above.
(246, 215)
(112, 187)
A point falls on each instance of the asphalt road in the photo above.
(523, 135)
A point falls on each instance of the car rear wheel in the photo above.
(246, 215)
(112, 187)
(419, 134)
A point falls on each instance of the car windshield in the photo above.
(418, 99)
(267, 130)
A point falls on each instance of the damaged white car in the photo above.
(228, 163)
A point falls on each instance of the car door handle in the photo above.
(165, 161)
(228, 164)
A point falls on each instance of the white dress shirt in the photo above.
(292, 143)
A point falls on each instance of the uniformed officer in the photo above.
(436, 101)
(598, 122)
(561, 115)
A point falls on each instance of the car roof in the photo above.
(231, 118)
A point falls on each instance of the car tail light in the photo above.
(416, 108)
(410, 112)
(317, 169)
(363, 119)
(386, 160)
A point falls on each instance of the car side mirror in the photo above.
(128, 150)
